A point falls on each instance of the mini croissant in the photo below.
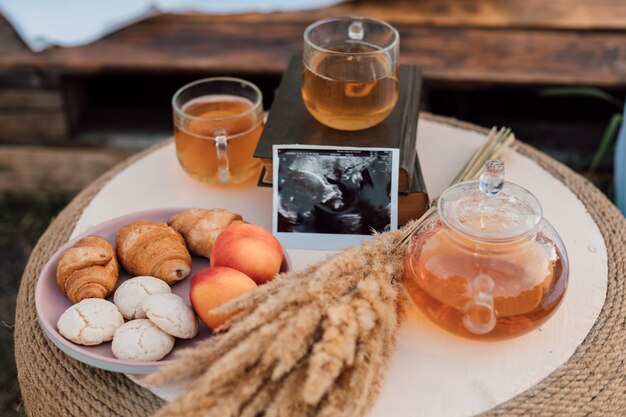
(153, 249)
(200, 227)
(88, 270)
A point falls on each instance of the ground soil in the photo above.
(23, 218)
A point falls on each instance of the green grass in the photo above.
(23, 218)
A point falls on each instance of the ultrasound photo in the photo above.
(334, 191)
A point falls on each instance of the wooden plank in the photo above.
(13, 99)
(32, 169)
(31, 126)
(168, 43)
(536, 14)
(28, 79)
(455, 40)
(561, 14)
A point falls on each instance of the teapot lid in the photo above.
(490, 209)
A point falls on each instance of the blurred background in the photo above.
(555, 72)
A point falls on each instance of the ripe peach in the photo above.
(213, 287)
(250, 249)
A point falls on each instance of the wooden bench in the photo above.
(44, 97)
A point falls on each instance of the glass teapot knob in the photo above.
(491, 180)
(479, 314)
(356, 31)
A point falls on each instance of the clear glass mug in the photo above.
(350, 78)
(217, 124)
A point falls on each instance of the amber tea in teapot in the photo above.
(488, 265)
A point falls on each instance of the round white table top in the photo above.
(433, 373)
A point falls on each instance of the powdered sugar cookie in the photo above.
(90, 322)
(141, 340)
(130, 296)
(172, 315)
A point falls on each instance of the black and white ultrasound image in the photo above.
(334, 191)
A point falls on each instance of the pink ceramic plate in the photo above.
(50, 302)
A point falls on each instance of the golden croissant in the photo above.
(155, 249)
(200, 227)
(88, 269)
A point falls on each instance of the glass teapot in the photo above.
(487, 265)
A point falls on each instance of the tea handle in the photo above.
(221, 147)
(479, 313)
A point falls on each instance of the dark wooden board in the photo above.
(226, 45)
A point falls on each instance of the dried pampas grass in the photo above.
(310, 343)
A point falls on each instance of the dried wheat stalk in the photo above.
(310, 343)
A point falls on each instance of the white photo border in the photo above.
(329, 241)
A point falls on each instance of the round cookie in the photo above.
(172, 315)
(141, 340)
(130, 295)
(90, 322)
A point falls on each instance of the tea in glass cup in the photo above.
(217, 124)
(350, 71)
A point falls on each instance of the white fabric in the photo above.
(45, 23)
(432, 373)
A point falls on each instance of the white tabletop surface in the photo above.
(432, 373)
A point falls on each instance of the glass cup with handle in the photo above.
(217, 124)
(350, 71)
